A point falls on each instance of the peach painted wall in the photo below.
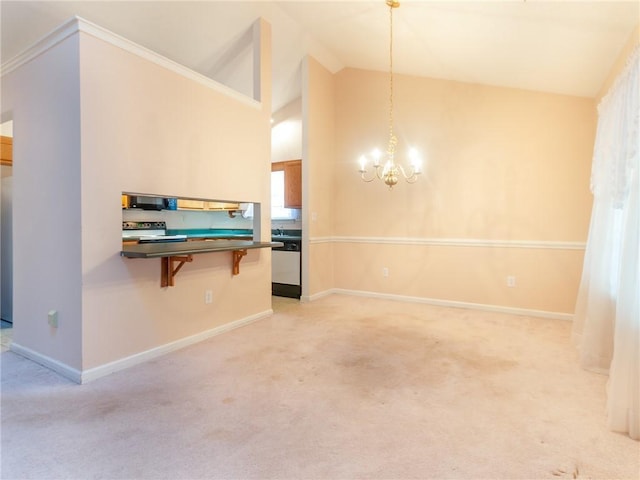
(148, 129)
(502, 165)
(42, 97)
(318, 175)
(286, 132)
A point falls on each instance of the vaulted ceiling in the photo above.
(554, 46)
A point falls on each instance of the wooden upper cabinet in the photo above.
(222, 206)
(292, 182)
(184, 204)
(6, 151)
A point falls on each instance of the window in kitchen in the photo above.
(278, 211)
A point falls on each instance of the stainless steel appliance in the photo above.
(285, 268)
(148, 232)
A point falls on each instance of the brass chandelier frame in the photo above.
(390, 172)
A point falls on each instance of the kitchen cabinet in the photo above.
(292, 182)
(6, 151)
(222, 206)
(184, 204)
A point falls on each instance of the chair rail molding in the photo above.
(454, 242)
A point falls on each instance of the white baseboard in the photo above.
(317, 296)
(94, 373)
(91, 374)
(447, 303)
(62, 368)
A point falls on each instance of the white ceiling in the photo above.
(555, 46)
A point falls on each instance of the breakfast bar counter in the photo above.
(182, 252)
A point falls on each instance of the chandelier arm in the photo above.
(363, 176)
(412, 177)
(404, 173)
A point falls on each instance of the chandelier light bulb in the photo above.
(377, 155)
(363, 163)
(416, 160)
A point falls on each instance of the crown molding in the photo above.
(47, 42)
(78, 24)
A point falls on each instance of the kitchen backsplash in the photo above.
(184, 219)
(287, 224)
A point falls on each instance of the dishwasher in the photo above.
(285, 269)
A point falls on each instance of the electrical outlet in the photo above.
(208, 296)
(511, 281)
(52, 318)
(385, 272)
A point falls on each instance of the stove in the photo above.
(149, 232)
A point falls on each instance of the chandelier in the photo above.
(390, 171)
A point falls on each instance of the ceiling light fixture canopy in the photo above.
(390, 171)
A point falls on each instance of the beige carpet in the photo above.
(340, 388)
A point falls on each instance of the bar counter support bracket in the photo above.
(237, 256)
(168, 272)
(170, 254)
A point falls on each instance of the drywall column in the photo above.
(262, 76)
(177, 134)
(42, 96)
(318, 160)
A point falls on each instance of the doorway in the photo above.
(6, 228)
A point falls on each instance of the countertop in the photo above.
(278, 238)
(235, 233)
(169, 249)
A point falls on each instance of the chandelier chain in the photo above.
(391, 136)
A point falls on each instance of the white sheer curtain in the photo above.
(607, 318)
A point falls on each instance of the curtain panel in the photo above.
(606, 325)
